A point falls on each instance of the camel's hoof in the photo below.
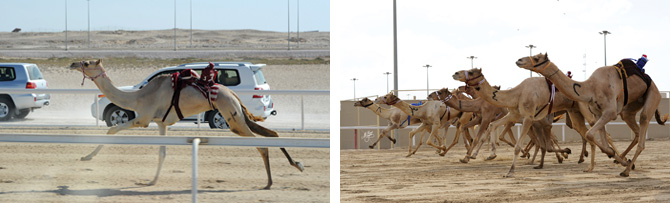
(616, 162)
(580, 161)
(491, 157)
(508, 175)
(560, 161)
(586, 153)
(443, 153)
(633, 167)
(147, 184)
(465, 161)
(568, 151)
(623, 174)
(537, 167)
(85, 158)
(393, 141)
(371, 146)
(267, 187)
(299, 166)
(473, 157)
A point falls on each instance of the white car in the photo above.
(234, 75)
(21, 76)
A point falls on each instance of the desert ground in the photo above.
(388, 176)
(35, 172)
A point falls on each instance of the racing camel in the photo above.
(152, 103)
(608, 92)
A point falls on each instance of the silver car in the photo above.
(234, 75)
(21, 76)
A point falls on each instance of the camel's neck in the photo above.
(407, 108)
(381, 112)
(574, 90)
(500, 98)
(122, 99)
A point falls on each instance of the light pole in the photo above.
(298, 24)
(175, 25)
(89, 22)
(605, 33)
(191, 5)
(354, 79)
(472, 61)
(65, 25)
(531, 54)
(427, 66)
(387, 80)
(288, 19)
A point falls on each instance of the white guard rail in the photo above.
(176, 140)
(96, 92)
(518, 130)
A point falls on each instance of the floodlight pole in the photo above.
(472, 61)
(605, 33)
(387, 81)
(175, 25)
(531, 54)
(354, 79)
(298, 24)
(65, 25)
(427, 66)
(191, 5)
(288, 20)
(89, 22)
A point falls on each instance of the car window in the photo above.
(7, 74)
(228, 77)
(260, 78)
(169, 72)
(34, 73)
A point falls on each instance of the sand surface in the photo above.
(32, 172)
(388, 176)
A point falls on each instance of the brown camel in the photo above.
(487, 112)
(397, 118)
(466, 121)
(444, 93)
(525, 102)
(431, 113)
(152, 102)
(603, 92)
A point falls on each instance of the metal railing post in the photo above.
(194, 181)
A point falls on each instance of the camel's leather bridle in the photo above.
(467, 80)
(103, 74)
(539, 64)
(366, 106)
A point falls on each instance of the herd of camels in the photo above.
(536, 104)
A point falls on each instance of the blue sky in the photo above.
(269, 15)
(444, 33)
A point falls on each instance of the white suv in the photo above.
(21, 76)
(234, 75)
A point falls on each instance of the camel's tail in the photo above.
(658, 118)
(244, 108)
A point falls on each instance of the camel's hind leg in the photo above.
(651, 103)
(161, 154)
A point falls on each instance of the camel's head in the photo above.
(365, 102)
(91, 69)
(471, 77)
(533, 62)
(439, 95)
(388, 99)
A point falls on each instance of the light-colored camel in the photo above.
(604, 93)
(152, 102)
(449, 99)
(464, 123)
(397, 119)
(525, 102)
(431, 113)
(487, 112)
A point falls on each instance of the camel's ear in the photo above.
(98, 62)
(546, 56)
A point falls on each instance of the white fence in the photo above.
(97, 92)
(163, 140)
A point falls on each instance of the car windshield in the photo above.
(34, 73)
(260, 78)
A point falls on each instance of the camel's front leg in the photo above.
(411, 137)
(112, 130)
(527, 122)
(434, 134)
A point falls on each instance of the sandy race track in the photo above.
(53, 173)
(388, 176)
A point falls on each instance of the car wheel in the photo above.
(6, 109)
(117, 116)
(215, 120)
(23, 113)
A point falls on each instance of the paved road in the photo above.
(166, 54)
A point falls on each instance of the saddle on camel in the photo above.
(203, 83)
